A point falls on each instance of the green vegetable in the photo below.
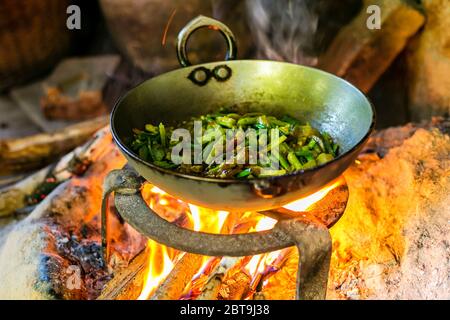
(324, 158)
(152, 129)
(143, 153)
(162, 134)
(298, 147)
(290, 120)
(226, 122)
(319, 142)
(247, 121)
(310, 164)
(294, 161)
(279, 158)
(271, 173)
(308, 155)
(244, 173)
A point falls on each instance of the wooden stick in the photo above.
(127, 283)
(212, 287)
(236, 286)
(182, 273)
(185, 269)
(12, 198)
(29, 153)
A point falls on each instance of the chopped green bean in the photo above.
(298, 146)
(162, 134)
(247, 121)
(226, 122)
(244, 173)
(294, 161)
(151, 128)
(324, 158)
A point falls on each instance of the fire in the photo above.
(258, 268)
(207, 220)
(258, 263)
(159, 266)
(255, 265)
(304, 203)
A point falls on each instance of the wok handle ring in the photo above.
(204, 22)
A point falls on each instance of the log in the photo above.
(361, 55)
(39, 254)
(185, 269)
(13, 197)
(31, 49)
(127, 283)
(29, 153)
(282, 284)
(175, 283)
(211, 289)
(235, 286)
(179, 277)
(392, 240)
(428, 63)
(281, 271)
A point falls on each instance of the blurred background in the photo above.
(52, 77)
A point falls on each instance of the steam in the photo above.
(284, 30)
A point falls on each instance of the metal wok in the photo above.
(324, 100)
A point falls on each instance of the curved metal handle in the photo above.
(204, 22)
(311, 237)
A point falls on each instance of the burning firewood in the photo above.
(127, 282)
(281, 284)
(361, 55)
(235, 286)
(55, 252)
(389, 243)
(33, 189)
(185, 269)
(391, 240)
(212, 287)
(179, 277)
(25, 154)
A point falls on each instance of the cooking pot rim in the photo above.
(124, 148)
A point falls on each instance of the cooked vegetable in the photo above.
(294, 147)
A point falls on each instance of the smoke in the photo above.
(284, 30)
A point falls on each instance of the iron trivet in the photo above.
(308, 231)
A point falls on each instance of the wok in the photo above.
(325, 101)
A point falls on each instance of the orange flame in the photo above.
(159, 266)
(161, 258)
(256, 264)
(304, 203)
